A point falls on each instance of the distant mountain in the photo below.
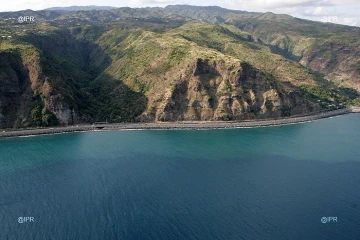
(171, 64)
(80, 8)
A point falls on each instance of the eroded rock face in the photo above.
(206, 90)
(14, 91)
(22, 88)
(338, 62)
(60, 109)
(216, 90)
(64, 115)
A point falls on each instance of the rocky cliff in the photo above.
(221, 90)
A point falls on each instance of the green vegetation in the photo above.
(36, 116)
(285, 111)
(48, 118)
(40, 115)
(329, 96)
(269, 105)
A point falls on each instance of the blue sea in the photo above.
(298, 182)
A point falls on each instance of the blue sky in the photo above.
(337, 11)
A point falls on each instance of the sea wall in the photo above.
(355, 109)
(176, 125)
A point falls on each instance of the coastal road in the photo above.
(175, 125)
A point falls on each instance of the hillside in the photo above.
(171, 64)
(330, 49)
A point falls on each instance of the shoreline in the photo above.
(175, 125)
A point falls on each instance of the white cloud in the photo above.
(271, 4)
(338, 11)
(318, 11)
(16, 5)
(352, 21)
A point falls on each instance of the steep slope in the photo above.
(46, 80)
(21, 78)
(205, 72)
(333, 50)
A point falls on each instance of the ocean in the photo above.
(294, 182)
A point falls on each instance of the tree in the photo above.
(36, 116)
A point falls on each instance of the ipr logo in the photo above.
(328, 219)
(22, 19)
(25, 219)
(331, 19)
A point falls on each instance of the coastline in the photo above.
(176, 125)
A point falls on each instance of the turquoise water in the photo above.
(261, 183)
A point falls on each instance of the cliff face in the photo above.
(25, 95)
(15, 91)
(59, 108)
(337, 61)
(218, 90)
